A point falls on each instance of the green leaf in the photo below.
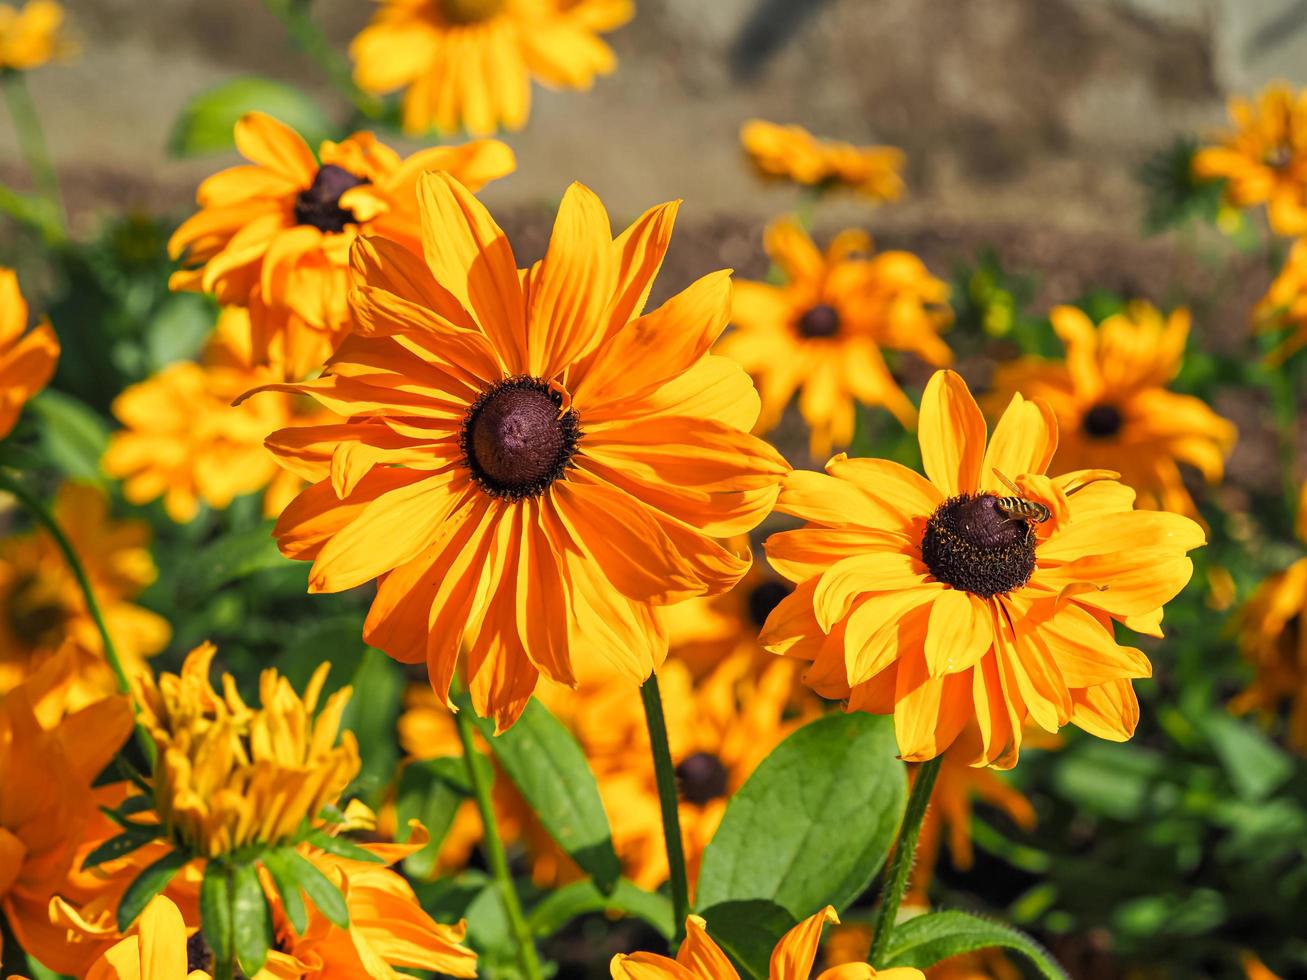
(341, 847)
(1108, 778)
(338, 639)
(823, 807)
(146, 885)
(116, 847)
(320, 889)
(178, 329)
(207, 122)
(426, 794)
(747, 931)
(233, 556)
(215, 910)
(372, 715)
(547, 766)
(73, 437)
(1255, 765)
(560, 907)
(251, 918)
(928, 939)
(292, 900)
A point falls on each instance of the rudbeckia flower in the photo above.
(699, 958)
(821, 333)
(531, 466)
(468, 64)
(792, 153)
(1285, 305)
(954, 598)
(33, 35)
(1273, 637)
(49, 756)
(1113, 408)
(231, 775)
(184, 441)
(42, 609)
(1264, 159)
(27, 358)
(274, 235)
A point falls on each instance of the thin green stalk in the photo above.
(896, 882)
(527, 957)
(31, 138)
(806, 207)
(43, 517)
(665, 774)
(308, 37)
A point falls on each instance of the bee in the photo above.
(1020, 508)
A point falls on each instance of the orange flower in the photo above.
(185, 442)
(1113, 408)
(27, 359)
(468, 64)
(699, 958)
(949, 599)
(49, 756)
(155, 948)
(32, 36)
(1285, 305)
(530, 465)
(275, 235)
(822, 332)
(42, 609)
(792, 153)
(1264, 160)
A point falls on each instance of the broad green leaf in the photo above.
(1108, 779)
(177, 330)
(560, 907)
(251, 918)
(547, 766)
(1255, 765)
(813, 824)
(73, 437)
(215, 910)
(489, 933)
(341, 847)
(320, 889)
(233, 556)
(146, 885)
(928, 939)
(116, 847)
(207, 122)
(292, 900)
(426, 794)
(371, 715)
(747, 931)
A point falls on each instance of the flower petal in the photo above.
(951, 431)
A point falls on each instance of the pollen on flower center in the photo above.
(516, 439)
(1102, 421)
(819, 321)
(763, 598)
(701, 778)
(470, 11)
(970, 544)
(319, 204)
(37, 618)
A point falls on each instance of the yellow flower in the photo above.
(274, 235)
(792, 153)
(228, 774)
(42, 607)
(531, 465)
(822, 332)
(184, 441)
(1264, 159)
(27, 358)
(1273, 637)
(1112, 406)
(49, 755)
(468, 64)
(699, 958)
(1285, 304)
(949, 600)
(155, 948)
(33, 35)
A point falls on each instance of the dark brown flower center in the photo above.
(470, 11)
(763, 598)
(1102, 421)
(319, 204)
(819, 321)
(701, 778)
(1278, 156)
(36, 615)
(198, 954)
(517, 440)
(970, 544)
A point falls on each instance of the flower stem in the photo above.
(32, 140)
(665, 775)
(46, 519)
(308, 37)
(527, 957)
(896, 882)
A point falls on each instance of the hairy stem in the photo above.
(665, 775)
